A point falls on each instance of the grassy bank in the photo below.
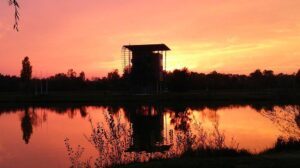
(283, 154)
(90, 96)
(278, 160)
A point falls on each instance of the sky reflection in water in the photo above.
(34, 136)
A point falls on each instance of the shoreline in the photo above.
(272, 95)
(282, 159)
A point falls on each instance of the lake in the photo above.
(46, 135)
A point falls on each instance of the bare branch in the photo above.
(16, 6)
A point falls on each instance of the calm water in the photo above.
(35, 136)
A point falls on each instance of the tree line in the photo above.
(178, 80)
(183, 80)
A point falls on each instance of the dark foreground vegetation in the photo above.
(285, 153)
(282, 160)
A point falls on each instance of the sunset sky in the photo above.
(230, 36)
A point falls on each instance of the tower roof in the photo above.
(147, 47)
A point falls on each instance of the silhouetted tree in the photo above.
(69, 81)
(71, 73)
(114, 75)
(112, 81)
(214, 79)
(256, 79)
(26, 71)
(25, 75)
(179, 80)
(82, 76)
(256, 74)
(269, 78)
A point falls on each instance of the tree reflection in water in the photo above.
(26, 125)
(29, 119)
(142, 139)
(287, 118)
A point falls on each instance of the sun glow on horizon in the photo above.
(227, 36)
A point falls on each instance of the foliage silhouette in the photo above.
(177, 81)
(26, 71)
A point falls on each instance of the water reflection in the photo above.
(26, 125)
(147, 127)
(146, 131)
(286, 118)
(30, 118)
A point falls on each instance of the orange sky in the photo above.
(231, 36)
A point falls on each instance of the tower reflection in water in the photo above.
(147, 124)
